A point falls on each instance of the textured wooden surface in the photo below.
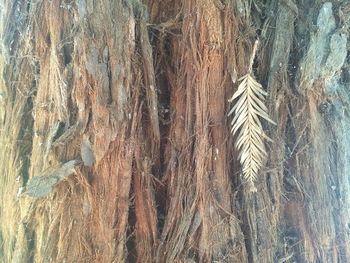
(137, 94)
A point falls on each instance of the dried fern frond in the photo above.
(248, 109)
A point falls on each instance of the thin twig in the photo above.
(255, 49)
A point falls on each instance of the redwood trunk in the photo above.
(135, 95)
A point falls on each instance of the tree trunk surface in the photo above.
(115, 144)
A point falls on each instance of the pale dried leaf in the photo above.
(248, 109)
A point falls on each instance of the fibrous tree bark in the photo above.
(116, 144)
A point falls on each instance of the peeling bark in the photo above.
(113, 125)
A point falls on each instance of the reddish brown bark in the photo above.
(137, 95)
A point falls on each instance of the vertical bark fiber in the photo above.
(115, 144)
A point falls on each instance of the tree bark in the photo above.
(116, 144)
